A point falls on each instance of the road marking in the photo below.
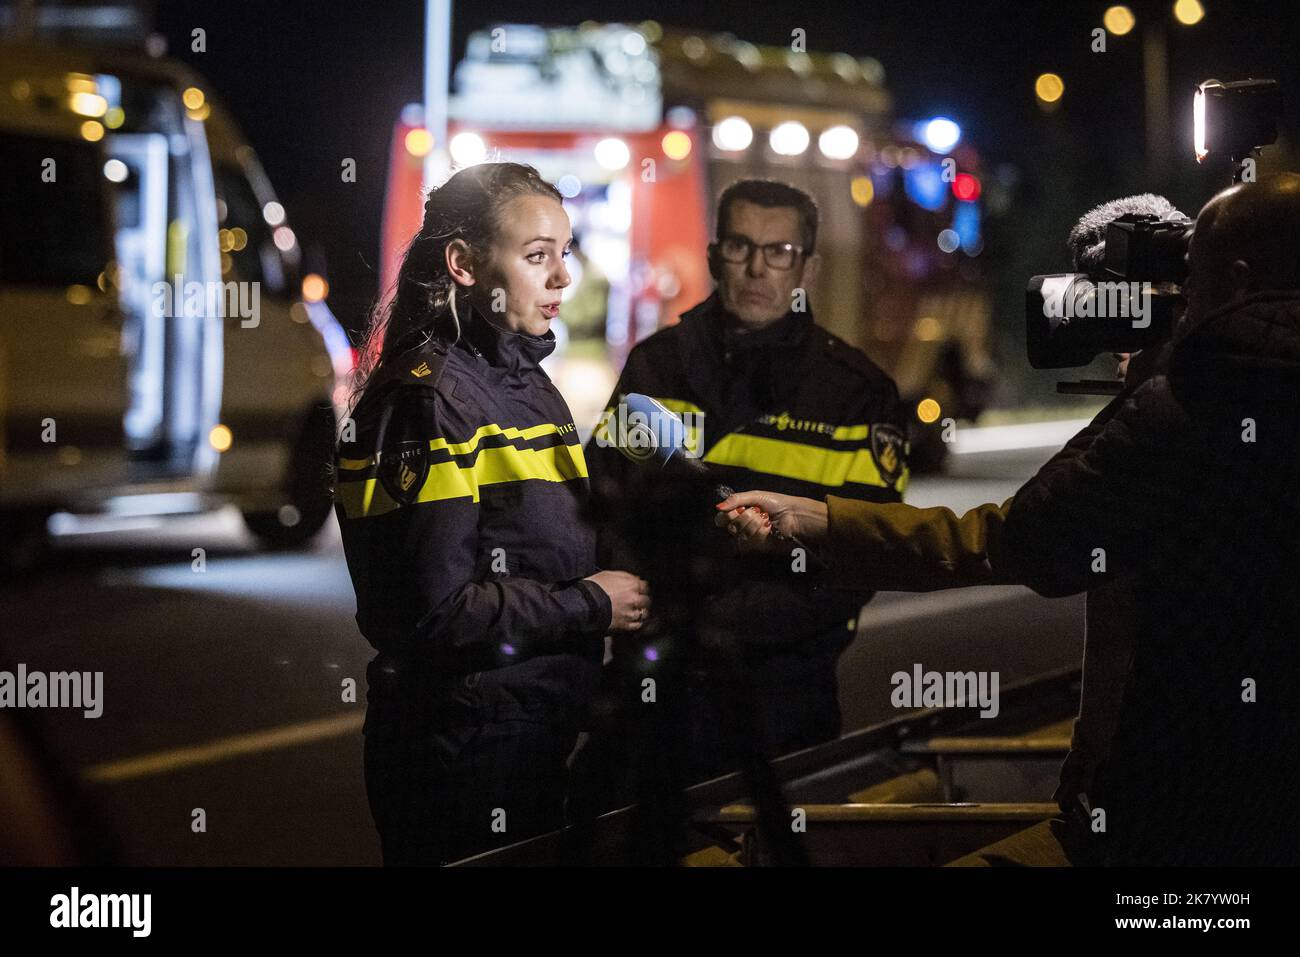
(225, 749)
(935, 604)
(322, 729)
(974, 440)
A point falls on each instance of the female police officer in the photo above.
(460, 487)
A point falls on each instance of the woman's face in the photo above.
(519, 284)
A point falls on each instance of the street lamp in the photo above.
(1119, 20)
(1188, 12)
(1049, 88)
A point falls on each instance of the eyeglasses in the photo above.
(739, 249)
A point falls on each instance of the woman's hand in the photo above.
(760, 519)
(628, 595)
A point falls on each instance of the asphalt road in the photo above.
(224, 688)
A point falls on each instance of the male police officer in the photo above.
(771, 400)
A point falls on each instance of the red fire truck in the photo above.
(640, 127)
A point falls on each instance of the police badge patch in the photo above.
(403, 469)
(889, 449)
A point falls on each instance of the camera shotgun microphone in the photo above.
(1088, 237)
(1129, 259)
(648, 433)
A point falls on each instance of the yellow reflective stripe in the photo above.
(796, 460)
(691, 440)
(601, 431)
(680, 406)
(469, 445)
(447, 480)
(560, 463)
(850, 433)
(364, 498)
(460, 448)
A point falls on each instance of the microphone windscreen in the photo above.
(1088, 237)
(648, 431)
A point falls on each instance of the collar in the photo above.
(739, 376)
(511, 352)
(785, 334)
(1247, 344)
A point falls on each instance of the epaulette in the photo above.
(849, 355)
(418, 367)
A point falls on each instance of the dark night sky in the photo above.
(313, 82)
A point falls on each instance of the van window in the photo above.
(51, 233)
(245, 235)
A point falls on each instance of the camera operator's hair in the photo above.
(770, 194)
(1088, 237)
(468, 207)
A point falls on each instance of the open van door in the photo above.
(159, 352)
(63, 373)
(138, 165)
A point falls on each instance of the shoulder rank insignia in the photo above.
(889, 449)
(403, 469)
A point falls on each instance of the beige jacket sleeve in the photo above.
(897, 547)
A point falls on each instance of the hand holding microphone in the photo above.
(648, 433)
(768, 519)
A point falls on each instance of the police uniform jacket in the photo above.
(790, 408)
(460, 502)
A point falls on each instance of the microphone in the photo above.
(1088, 237)
(649, 433)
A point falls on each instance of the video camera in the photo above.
(1124, 304)
(1132, 252)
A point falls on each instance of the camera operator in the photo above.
(1174, 508)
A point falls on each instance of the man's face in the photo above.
(754, 292)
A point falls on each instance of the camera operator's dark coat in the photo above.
(789, 408)
(1183, 494)
(1190, 488)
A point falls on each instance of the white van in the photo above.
(159, 351)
